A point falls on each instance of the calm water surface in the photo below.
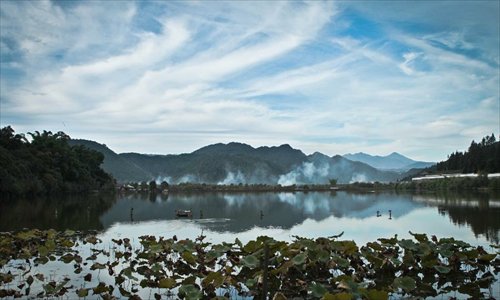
(474, 218)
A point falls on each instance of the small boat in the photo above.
(183, 213)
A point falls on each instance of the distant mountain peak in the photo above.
(396, 154)
(393, 161)
(287, 146)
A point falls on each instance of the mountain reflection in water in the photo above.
(318, 212)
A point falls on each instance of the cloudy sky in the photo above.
(420, 78)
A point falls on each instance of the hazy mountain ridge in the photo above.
(113, 163)
(393, 161)
(235, 163)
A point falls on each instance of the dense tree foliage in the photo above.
(47, 164)
(483, 157)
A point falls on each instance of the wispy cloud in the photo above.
(169, 77)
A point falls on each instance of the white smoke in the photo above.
(187, 179)
(233, 178)
(308, 172)
(161, 179)
(289, 178)
(358, 177)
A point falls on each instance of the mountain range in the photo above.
(393, 161)
(235, 163)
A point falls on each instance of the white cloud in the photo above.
(255, 72)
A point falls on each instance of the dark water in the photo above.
(473, 217)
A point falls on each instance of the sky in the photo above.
(419, 78)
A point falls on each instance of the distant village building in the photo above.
(443, 176)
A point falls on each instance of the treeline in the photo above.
(483, 157)
(47, 164)
(164, 187)
(450, 184)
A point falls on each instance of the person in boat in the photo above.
(183, 213)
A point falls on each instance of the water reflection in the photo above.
(480, 211)
(240, 212)
(61, 213)
(323, 213)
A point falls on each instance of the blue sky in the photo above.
(420, 78)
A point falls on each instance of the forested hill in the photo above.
(482, 157)
(236, 163)
(47, 164)
(114, 164)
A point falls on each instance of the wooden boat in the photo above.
(183, 213)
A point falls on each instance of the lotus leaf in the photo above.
(167, 283)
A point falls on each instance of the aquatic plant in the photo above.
(326, 268)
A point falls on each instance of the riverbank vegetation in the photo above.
(445, 184)
(322, 268)
(481, 182)
(187, 187)
(45, 164)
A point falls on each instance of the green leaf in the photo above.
(189, 280)
(345, 247)
(67, 258)
(50, 244)
(376, 295)
(190, 291)
(92, 239)
(374, 246)
(340, 261)
(471, 288)
(167, 283)
(97, 266)
(43, 251)
(421, 237)
(318, 290)
(124, 292)
(442, 269)
(299, 259)
(128, 272)
(408, 244)
(29, 280)
(156, 268)
(189, 258)
(252, 246)
(250, 261)
(49, 288)
(487, 257)
(40, 276)
(213, 278)
(69, 232)
(405, 283)
(337, 296)
(100, 288)
(82, 292)
(323, 255)
(250, 282)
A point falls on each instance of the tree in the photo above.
(152, 186)
(333, 181)
(164, 185)
(48, 164)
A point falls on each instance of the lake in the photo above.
(362, 217)
(474, 217)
